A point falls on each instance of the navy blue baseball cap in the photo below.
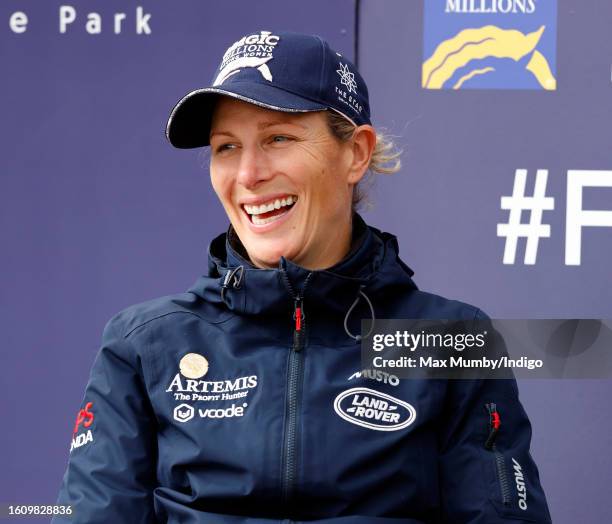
(282, 71)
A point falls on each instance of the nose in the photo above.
(253, 168)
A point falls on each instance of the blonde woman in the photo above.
(243, 400)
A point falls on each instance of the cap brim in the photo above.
(189, 122)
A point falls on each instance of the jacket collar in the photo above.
(371, 265)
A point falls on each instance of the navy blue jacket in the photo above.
(230, 404)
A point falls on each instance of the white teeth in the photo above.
(261, 221)
(264, 208)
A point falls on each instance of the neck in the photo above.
(343, 241)
(337, 245)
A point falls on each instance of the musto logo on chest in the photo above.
(374, 410)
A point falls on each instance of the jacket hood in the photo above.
(372, 266)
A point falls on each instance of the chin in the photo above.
(269, 257)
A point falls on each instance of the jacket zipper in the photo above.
(294, 380)
(500, 464)
(503, 477)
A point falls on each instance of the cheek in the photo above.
(330, 196)
(221, 183)
(332, 181)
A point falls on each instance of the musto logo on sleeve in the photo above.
(224, 398)
(374, 410)
(84, 420)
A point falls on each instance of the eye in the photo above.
(279, 139)
(224, 147)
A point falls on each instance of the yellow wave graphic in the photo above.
(538, 65)
(483, 42)
(471, 74)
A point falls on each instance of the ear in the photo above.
(363, 143)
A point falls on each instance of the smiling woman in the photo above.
(244, 399)
(261, 158)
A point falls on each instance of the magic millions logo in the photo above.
(489, 44)
(250, 52)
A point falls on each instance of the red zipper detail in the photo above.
(298, 318)
(494, 425)
(496, 421)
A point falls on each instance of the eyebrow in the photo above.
(270, 123)
(261, 126)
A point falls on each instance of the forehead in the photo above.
(229, 110)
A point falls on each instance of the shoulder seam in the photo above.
(172, 313)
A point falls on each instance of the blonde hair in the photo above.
(385, 158)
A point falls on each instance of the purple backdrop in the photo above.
(461, 152)
(99, 212)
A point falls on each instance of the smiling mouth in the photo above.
(269, 211)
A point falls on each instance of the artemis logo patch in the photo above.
(374, 410)
(188, 386)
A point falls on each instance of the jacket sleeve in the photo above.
(111, 469)
(484, 477)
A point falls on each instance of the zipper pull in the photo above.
(298, 316)
(494, 424)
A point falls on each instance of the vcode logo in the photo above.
(489, 44)
(183, 412)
